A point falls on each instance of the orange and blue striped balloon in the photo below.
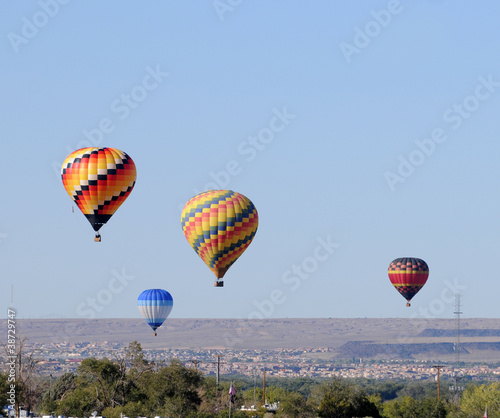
(219, 225)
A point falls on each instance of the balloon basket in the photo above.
(219, 283)
(97, 238)
(408, 305)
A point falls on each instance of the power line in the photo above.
(457, 315)
(457, 388)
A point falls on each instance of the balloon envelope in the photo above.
(408, 275)
(98, 180)
(219, 225)
(155, 305)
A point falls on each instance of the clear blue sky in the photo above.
(370, 126)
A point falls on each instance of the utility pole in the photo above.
(195, 362)
(230, 401)
(254, 384)
(218, 369)
(438, 367)
(264, 388)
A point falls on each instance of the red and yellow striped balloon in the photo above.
(219, 225)
(98, 180)
(408, 275)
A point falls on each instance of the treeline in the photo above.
(131, 386)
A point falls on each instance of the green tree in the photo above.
(4, 388)
(100, 384)
(302, 385)
(406, 407)
(418, 391)
(376, 400)
(212, 398)
(476, 398)
(433, 408)
(173, 390)
(107, 378)
(386, 390)
(252, 397)
(81, 402)
(274, 394)
(115, 381)
(130, 409)
(294, 404)
(339, 399)
(56, 391)
(135, 361)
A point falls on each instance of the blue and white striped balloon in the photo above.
(155, 306)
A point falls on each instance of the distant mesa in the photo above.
(463, 333)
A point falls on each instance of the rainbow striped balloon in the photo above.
(408, 275)
(219, 225)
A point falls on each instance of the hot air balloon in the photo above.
(219, 225)
(408, 275)
(155, 305)
(98, 180)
